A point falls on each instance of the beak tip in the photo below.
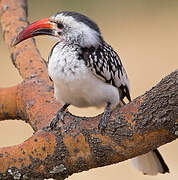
(32, 30)
(14, 42)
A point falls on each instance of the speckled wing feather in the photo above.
(106, 65)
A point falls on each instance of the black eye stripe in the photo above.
(60, 25)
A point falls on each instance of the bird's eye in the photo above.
(60, 25)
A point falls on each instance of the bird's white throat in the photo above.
(64, 63)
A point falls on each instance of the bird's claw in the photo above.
(101, 129)
(59, 116)
(103, 124)
(53, 123)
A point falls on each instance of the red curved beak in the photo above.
(40, 27)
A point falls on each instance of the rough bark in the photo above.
(146, 123)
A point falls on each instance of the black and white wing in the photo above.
(106, 65)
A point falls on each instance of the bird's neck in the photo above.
(65, 54)
(65, 62)
(70, 52)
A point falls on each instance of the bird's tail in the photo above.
(150, 163)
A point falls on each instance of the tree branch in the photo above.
(146, 123)
(25, 57)
(8, 106)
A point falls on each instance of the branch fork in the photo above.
(146, 123)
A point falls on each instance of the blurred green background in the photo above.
(143, 32)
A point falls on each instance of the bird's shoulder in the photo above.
(105, 63)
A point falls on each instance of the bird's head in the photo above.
(69, 27)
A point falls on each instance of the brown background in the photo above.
(143, 32)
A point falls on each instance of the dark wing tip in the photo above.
(125, 92)
(128, 94)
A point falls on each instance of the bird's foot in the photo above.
(55, 120)
(104, 119)
(103, 123)
(59, 116)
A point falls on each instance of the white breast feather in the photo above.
(74, 83)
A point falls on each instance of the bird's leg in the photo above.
(104, 119)
(59, 116)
